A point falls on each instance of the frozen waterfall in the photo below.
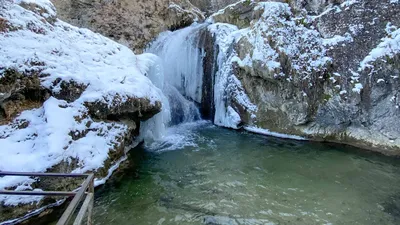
(178, 73)
(181, 62)
(182, 58)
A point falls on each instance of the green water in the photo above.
(219, 176)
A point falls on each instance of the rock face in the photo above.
(210, 6)
(334, 76)
(70, 101)
(132, 23)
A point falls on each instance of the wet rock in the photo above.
(207, 108)
(139, 108)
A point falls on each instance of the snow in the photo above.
(328, 10)
(303, 46)
(14, 200)
(74, 54)
(348, 3)
(45, 4)
(61, 131)
(388, 47)
(226, 85)
(380, 81)
(300, 44)
(222, 11)
(271, 133)
(357, 88)
(173, 5)
(335, 40)
(46, 141)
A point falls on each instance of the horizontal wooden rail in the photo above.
(27, 174)
(42, 193)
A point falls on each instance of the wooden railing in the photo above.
(87, 188)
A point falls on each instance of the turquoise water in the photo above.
(210, 175)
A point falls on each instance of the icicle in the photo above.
(154, 128)
(182, 59)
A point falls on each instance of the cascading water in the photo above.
(182, 58)
(178, 72)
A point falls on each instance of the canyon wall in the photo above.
(332, 76)
(322, 83)
(132, 23)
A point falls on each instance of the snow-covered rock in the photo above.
(270, 53)
(71, 100)
(314, 76)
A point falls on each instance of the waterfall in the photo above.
(225, 115)
(182, 57)
(154, 128)
(181, 64)
(176, 62)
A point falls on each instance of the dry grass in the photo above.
(3, 25)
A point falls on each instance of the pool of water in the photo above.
(204, 174)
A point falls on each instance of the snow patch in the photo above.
(45, 4)
(357, 88)
(335, 40)
(348, 3)
(271, 133)
(47, 140)
(389, 47)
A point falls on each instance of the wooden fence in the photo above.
(86, 189)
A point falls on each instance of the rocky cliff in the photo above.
(132, 23)
(211, 6)
(330, 76)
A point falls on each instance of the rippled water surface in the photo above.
(208, 175)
